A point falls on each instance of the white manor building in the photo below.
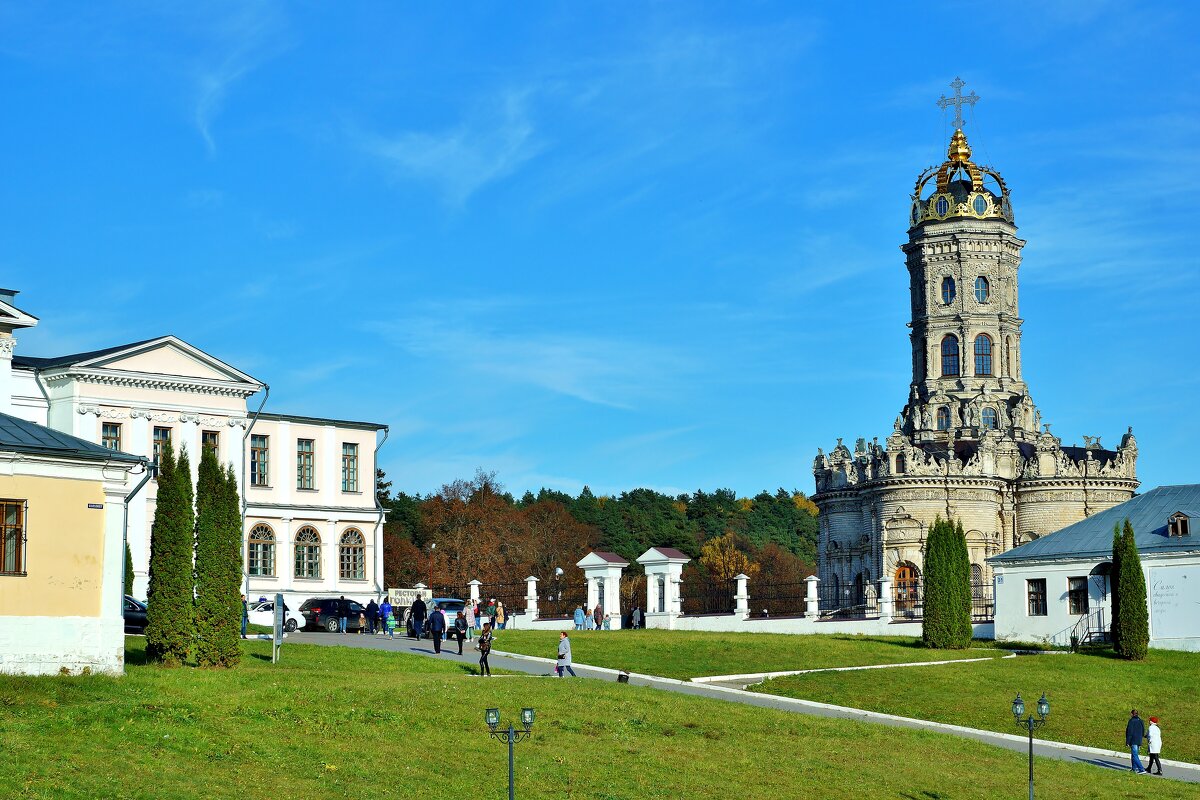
(312, 524)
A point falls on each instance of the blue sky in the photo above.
(619, 244)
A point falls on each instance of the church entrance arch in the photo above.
(907, 587)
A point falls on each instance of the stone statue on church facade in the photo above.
(968, 443)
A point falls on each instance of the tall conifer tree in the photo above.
(946, 620)
(1114, 586)
(218, 568)
(169, 621)
(128, 570)
(1134, 621)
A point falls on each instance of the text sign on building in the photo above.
(97, 506)
(1174, 602)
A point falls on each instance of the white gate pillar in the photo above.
(603, 573)
(531, 597)
(475, 589)
(812, 605)
(743, 596)
(886, 600)
(664, 572)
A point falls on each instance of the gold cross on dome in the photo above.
(958, 101)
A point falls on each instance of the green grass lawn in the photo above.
(331, 722)
(1090, 695)
(690, 654)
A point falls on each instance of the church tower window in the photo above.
(943, 418)
(988, 418)
(983, 289)
(983, 355)
(949, 291)
(950, 356)
(900, 464)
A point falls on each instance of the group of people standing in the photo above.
(1135, 733)
(597, 620)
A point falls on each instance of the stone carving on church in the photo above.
(7, 345)
(936, 469)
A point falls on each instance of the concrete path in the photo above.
(531, 665)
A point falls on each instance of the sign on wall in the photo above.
(1175, 602)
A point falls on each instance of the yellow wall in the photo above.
(65, 549)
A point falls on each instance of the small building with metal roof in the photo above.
(1059, 587)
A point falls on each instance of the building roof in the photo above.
(23, 436)
(36, 362)
(611, 558)
(344, 423)
(1091, 538)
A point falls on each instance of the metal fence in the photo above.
(560, 601)
(777, 599)
(909, 601)
(708, 597)
(512, 595)
(458, 592)
(856, 601)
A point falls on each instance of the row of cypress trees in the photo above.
(946, 619)
(194, 599)
(1130, 612)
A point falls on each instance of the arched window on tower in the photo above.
(983, 354)
(988, 418)
(983, 289)
(950, 356)
(948, 290)
(900, 465)
(943, 418)
(1008, 357)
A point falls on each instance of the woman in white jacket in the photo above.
(1154, 734)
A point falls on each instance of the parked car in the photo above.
(135, 615)
(264, 614)
(322, 612)
(451, 605)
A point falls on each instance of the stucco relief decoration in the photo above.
(7, 344)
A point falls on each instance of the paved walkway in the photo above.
(530, 665)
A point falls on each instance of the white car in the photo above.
(264, 614)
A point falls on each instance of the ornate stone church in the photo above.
(970, 443)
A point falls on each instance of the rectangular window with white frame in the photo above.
(110, 435)
(349, 467)
(162, 436)
(1077, 596)
(211, 441)
(12, 536)
(260, 460)
(305, 461)
(1035, 591)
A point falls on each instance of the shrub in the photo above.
(946, 621)
(128, 570)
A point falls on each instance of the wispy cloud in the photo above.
(490, 144)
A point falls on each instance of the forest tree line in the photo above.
(474, 529)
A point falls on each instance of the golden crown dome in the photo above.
(959, 190)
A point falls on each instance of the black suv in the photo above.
(322, 612)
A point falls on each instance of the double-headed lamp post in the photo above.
(1043, 711)
(510, 736)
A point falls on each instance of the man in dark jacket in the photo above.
(419, 612)
(372, 616)
(343, 606)
(1135, 732)
(437, 628)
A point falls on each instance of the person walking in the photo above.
(385, 611)
(471, 619)
(437, 628)
(362, 622)
(501, 617)
(484, 646)
(245, 616)
(1154, 739)
(490, 613)
(419, 612)
(343, 612)
(460, 630)
(578, 618)
(372, 616)
(598, 615)
(1135, 732)
(637, 617)
(564, 656)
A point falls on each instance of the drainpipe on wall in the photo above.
(245, 437)
(151, 471)
(382, 513)
(37, 378)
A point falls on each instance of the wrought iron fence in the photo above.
(777, 599)
(908, 601)
(512, 595)
(445, 590)
(983, 602)
(854, 601)
(559, 601)
(708, 597)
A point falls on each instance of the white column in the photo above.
(886, 600)
(136, 432)
(651, 592)
(329, 462)
(743, 596)
(189, 437)
(7, 344)
(612, 592)
(531, 597)
(475, 589)
(811, 602)
(593, 592)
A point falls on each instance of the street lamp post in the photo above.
(1029, 723)
(510, 736)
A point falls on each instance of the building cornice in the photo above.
(144, 380)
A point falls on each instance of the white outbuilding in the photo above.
(1060, 586)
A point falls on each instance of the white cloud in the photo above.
(488, 146)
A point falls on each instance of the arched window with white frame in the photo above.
(308, 553)
(950, 356)
(260, 555)
(352, 556)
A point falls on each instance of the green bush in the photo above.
(218, 567)
(169, 622)
(128, 570)
(946, 622)
(1133, 620)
